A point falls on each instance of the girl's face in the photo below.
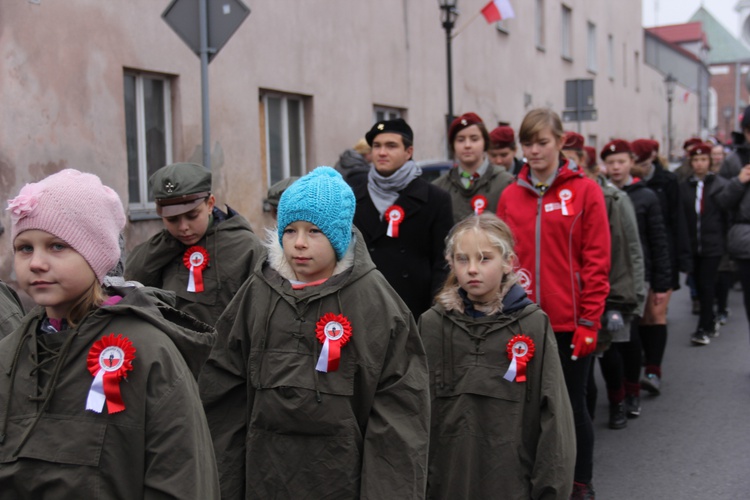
(308, 252)
(469, 147)
(50, 271)
(478, 266)
(543, 153)
(191, 226)
(701, 164)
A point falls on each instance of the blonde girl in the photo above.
(502, 425)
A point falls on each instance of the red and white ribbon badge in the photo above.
(520, 351)
(394, 215)
(566, 196)
(333, 331)
(196, 260)
(109, 360)
(479, 203)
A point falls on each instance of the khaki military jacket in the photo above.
(490, 186)
(491, 437)
(158, 447)
(232, 250)
(284, 430)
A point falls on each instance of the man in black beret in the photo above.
(403, 218)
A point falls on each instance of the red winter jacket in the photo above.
(563, 245)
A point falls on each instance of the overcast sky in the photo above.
(660, 12)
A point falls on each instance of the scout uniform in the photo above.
(318, 390)
(158, 445)
(206, 275)
(494, 434)
(478, 192)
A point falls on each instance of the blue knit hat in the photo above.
(324, 199)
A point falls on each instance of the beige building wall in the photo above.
(62, 64)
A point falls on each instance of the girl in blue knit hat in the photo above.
(318, 385)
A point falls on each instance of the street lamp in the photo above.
(448, 15)
(727, 123)
(670, 82)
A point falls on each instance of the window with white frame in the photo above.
(539, 24)
(285, 135)
(611, 57)
(148, 131)
(591, 52)
(567, 33)
(380, 113)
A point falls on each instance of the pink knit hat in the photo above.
(77, 208)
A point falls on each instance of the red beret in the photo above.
(656, 145)
(615, 146)
(642, 148)
(573, 140)
(591, 153)
(502, 137)
(690, 142)
(700, 148)
(460, 123)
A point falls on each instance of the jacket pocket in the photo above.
(292, 397)
(56, 439)
(479, 399)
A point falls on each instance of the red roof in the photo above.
(681, 33)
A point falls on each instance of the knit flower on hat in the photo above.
(24, 204)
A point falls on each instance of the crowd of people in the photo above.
(389, 338)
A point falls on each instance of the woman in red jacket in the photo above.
(559, 219)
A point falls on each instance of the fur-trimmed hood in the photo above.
(278, 262)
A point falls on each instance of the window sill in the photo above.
(591, 71)
(568, 59)
(541, 48)
(141, 214)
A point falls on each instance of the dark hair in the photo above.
(485, 136)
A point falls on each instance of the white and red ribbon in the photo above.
(479, 204)
(520, 351)
(395, 216)
(109, 360)
(196, 260)
(333, 331)
(566, 196)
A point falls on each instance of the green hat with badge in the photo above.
(180, 187)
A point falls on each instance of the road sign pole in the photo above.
(203, 21)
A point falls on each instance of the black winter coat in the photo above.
(657, 268)
(414, 263)
(708, 232)
(666, 186)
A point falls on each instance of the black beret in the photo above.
(397, 126)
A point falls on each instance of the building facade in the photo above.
(108, 87)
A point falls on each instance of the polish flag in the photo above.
(497, 10)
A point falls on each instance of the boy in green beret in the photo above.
(203, 254)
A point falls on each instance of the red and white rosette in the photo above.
(196, 260)
(395, 216)
(520, 351)
(566, 196)
(479, 204)
(333, 331)
(109, 360)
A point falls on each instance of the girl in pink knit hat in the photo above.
(98, 392)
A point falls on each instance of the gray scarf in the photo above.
(384, 190)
